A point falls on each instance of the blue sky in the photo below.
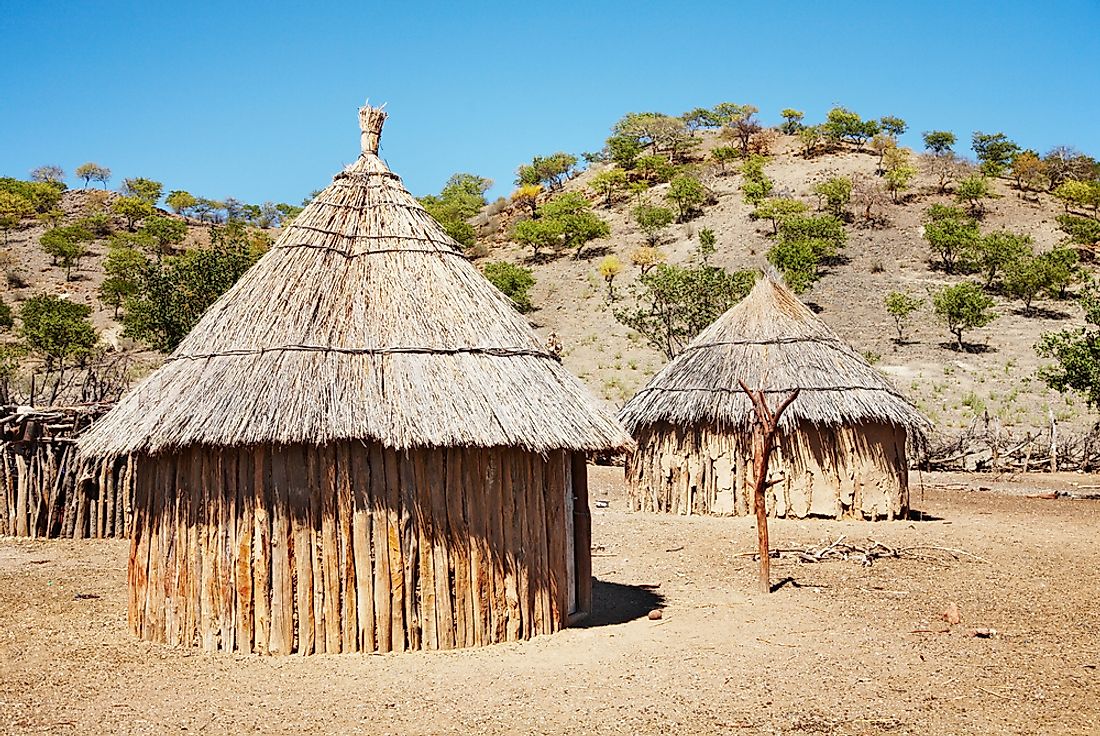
(258, 100)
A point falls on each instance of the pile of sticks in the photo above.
(987, 446)
(867, 552)
(46, 490)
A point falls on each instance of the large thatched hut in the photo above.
(361, 446)
(843, 447)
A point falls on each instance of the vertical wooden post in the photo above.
(764, 426)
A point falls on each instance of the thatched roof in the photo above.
(772, 341)
(363, 321)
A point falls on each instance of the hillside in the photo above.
(570, 298)
(951, 387)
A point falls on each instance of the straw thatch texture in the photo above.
(364, 321)
(842, 453)
(769, 340)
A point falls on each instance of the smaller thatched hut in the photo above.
(843, 450)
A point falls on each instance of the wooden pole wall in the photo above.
(353, 547)
(858, 472)
(46, 491)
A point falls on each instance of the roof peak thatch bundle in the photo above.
(363, 321)
(770, 340)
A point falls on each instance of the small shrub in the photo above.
(514, 282)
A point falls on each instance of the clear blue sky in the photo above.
(258, 100)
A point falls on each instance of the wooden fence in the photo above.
(988, 446)
(46, 490)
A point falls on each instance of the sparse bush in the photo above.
(6, 319)
(777, 209)
(66, 245)
(13, 210)
(527, 197)
(723, 155)
(973, 191)
(608, 183)
(901, 307)
(653, 221)
(998, 251)
(514, 282)
(835, 194)
(688, 194)
(899, 171)
(610, 267)
(1081, 230)
(646, 258)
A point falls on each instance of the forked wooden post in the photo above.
(764, 426)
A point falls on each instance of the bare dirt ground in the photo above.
(838, 649)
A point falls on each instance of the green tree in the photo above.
(13, 210)
(578, 223)
(811, 137)
(1081, 194)
(144, 189)
(1076, 352)
(132, 209)
(892, 126)
(672, 304)
(798, 261)
(1063, 270)
(778, 209)
(66, 245)
(91, 171)
(607, 183)
(953, 236)
(994, 151)
(901, 307)
(173, 294)
(6, 319)
(166, 232)
(939, 141)
(513, 281)
(700, 118)
(1081, 230)
(841, 124)
(836, 193)
(962, 307)
(49, 174)
(624, 150)
(708, 245)
(723, 155)
(652, 220)
(792, 120)
(654, 169)
(42, 196)
(1026, 278)
(180, 201)
(551, 171)
(973, 191)
(124, 267)
(56, 329)
(899, 171)
(998, 251)
(462, 197)
(687, 193)
(824, 233)
(755, 184)
(539, 235)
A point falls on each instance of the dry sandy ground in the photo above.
(838, 649)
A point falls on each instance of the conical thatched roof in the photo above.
(772, 341)
(363, 321)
